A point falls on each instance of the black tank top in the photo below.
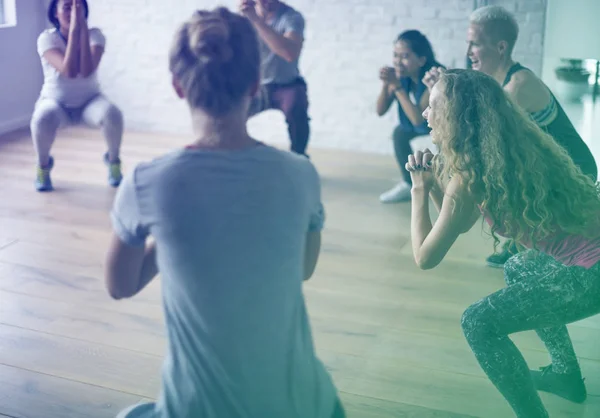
(564, 133)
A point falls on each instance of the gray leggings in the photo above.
(542, 295)
(49, 115)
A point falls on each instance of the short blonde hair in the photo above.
(498, 23)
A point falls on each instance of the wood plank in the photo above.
(93, 364)
(388, 332)
(365, 407)
(25, 394)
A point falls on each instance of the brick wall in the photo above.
(347, 41)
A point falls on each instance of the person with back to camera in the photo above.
(236, 231)
(491, 37)
(403, 84)
(495, 161)
(280, 30)
(70, 54)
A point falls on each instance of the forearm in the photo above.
(384, 100)
(71, 62)
(311, 256)
(413, 112)
(86, 63)
(149, 268)
(279, 44)
(420, 225)
(437, 195)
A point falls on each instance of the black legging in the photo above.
(402, 150)
(542, 295)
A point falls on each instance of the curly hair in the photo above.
(527, 184)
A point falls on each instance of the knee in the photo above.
(400, 136)
(45, 118)
(397, 134)
(474, 322)
(511, 272)
(296, 113)
(295, 106)
(113, 116)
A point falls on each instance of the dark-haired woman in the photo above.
(71, 53)
(236, 231)
(413, 57)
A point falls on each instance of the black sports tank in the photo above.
(557, 124)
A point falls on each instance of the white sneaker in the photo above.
(399, 193)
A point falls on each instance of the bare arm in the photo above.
(384, 101)
(528, 91)
(431, 243)
(90, 55)
(413, 112)
(67, 63)
(129, 268)
(311, 255)
(437, 195)
(288, 46)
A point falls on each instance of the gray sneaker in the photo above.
(399, 193)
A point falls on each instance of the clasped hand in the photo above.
(420, 167)
(77, 16)
(248, 9)
(432, 76)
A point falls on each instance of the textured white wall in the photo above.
(20, 68)
(347, 41)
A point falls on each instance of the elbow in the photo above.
(87, 72)
(426, 263)
(417, 121)
(308, 273)
(290, 55)
(70, 73)
(117, 292)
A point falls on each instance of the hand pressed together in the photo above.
(420, 167)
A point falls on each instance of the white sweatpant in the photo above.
(49, 115)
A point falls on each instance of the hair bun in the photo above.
(209, 39)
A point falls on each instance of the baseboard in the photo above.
(14, 124)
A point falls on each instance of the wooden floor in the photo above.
(389, 333)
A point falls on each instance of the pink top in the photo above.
(570, 250)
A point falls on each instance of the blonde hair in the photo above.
(525, 182)
(498, 23)
(216, 59)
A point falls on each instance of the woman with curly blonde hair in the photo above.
(491, 38)
(499, 163)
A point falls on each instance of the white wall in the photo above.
(347, 42)
(572, 31)
(20, 68)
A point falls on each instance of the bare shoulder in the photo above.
(457, 189)
(528, 91)
(463, 205)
